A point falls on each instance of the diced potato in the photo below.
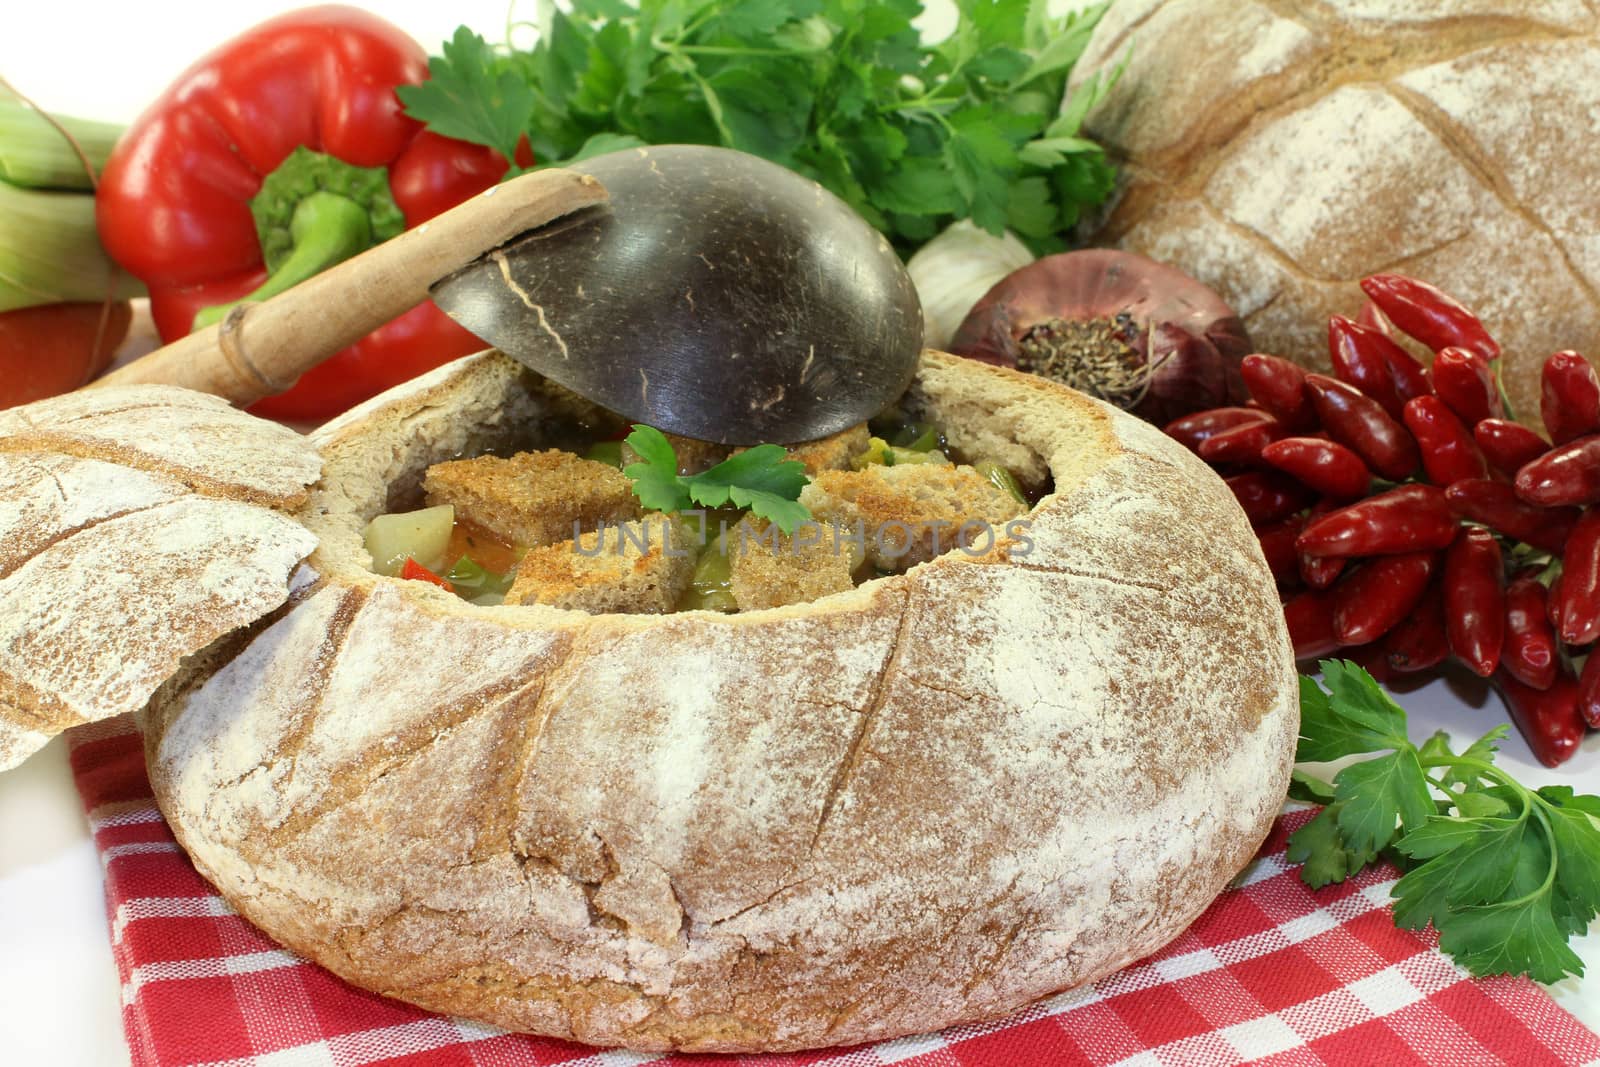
(422, 535)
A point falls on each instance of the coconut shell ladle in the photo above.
(714, 295)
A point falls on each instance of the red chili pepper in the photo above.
(1530, 654)
(1465, 381)
(1277, 545)
(1548, 719)
(1370, 317)
(1377, 595)
(1497, 506)
(1569, 397)
(1359, 422)
(1567, 474)
(276, 155)
(1241, 444)
(1589, 690)
(1508, 445)
(1267, 496)
(1358, 357)
(1193, 430)
(1326, 466)
(1429, 315)
(1577, 597)
(1475, 599)
(1407, 518)
(415, 571)
(1371, 658)
(1419, 643)
(1279, 387)
(1449, 453)
(1309, 616)
(1319, 572)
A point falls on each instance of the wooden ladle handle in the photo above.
(261, 348)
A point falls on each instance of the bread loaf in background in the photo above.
(1280, 152)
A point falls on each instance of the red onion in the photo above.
(1136, 333)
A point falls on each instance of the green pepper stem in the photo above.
(327, 228)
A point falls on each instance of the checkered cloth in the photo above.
(1272, 973)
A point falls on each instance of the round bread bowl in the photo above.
(928, 800)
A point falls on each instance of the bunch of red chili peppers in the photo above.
(1409, 521)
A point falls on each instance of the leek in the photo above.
(49, 246)
(34, 153)
(50, 251)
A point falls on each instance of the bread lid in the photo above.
(138, 524)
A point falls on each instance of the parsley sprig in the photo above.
(761, 479)
(912, 135)
(1506, 874)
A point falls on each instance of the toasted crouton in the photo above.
(912, 512)
(693, 456)
(641, 567)
(832, 453)
(532, 498)
(768, 568)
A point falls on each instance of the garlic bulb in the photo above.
(956, 268)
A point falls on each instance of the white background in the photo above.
(58, 989)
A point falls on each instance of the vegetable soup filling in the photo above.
(654, 523)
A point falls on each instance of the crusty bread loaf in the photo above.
(1281, 152)
(137, 525)
(931, 798)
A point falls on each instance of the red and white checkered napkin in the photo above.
(1271, 973)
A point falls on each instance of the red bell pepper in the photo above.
(413, 571)
(275, 156)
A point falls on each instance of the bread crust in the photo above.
(1281, 152)
(926, 800)
(137, 526)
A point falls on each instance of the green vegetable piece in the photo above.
(919, 437)
(711, 588)
(607, 452)
(474, 581)
(1003, 479)
(1506, 879)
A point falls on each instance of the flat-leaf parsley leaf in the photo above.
(1506, 874)
(911, 134)
(762, 480)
